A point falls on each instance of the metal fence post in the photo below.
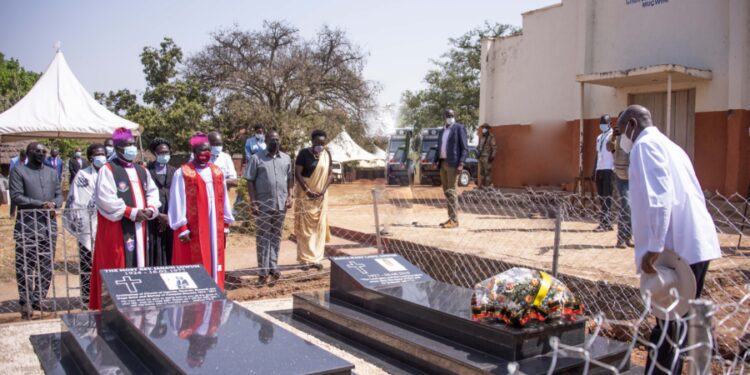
(556, 251)
(375, 197)
(699, 337)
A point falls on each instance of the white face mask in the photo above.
(99, 160)
(450, 121)
(216, 150)
(626, 144)
(109, 150)
(130, 153)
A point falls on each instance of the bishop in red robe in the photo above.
(200, 212)
(126, 197)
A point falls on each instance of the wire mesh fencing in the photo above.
(565, 234)
(47, 255)
(574, 237)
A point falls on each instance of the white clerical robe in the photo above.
(113, 208)
(80, 218)
(178, 210)
(667, 205)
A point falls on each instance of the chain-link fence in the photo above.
(554, 231)
(570, 236)
(46, 255)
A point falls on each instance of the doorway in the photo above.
(682, 130)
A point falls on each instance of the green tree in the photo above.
(453, 83)
(277, 78)
(173, 107)
(15, 82)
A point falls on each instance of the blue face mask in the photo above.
(604, 127)
(216, 150)
(130, 153)
(99, 161)
(163, 159)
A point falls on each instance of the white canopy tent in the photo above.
(58, 106)
(344, 149)
(380, 153)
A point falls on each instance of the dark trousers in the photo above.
(604, 186)
(269, 225)
(667, 354)
(85, 257)
(624, 226)
(35, 234)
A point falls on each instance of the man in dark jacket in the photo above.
(55, 162)
(450, 156)
(35, 190)
(75, 164)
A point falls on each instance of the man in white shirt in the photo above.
(222, 160)
(604, 175)
(668, 211)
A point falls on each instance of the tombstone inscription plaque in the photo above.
(157, 286)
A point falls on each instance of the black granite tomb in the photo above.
(174, 320)
(389, 304)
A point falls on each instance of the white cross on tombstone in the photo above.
(357, 266)
(129, 283)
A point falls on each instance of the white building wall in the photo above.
(529, 76)
(532, 77)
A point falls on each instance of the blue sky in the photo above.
(102, 39)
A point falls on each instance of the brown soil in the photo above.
(286, 286)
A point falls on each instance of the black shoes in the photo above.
(274, 278)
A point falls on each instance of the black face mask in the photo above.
(272, 145)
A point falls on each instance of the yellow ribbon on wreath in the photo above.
(543, 288)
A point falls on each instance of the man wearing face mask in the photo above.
(126, 198)
(622, 163)
(159, 233)
(669, 213)
(313, 173)
(604, 175)
(34, 189)
(109, 148)
(54, 162)
(80, 218)
(199, 232)
(256, 143)
(450, 157)
(270, 180)
(75, 164)
(487, 151)
(222, 159)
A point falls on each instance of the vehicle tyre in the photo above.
(464, 178)
(404, 181)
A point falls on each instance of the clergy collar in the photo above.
(124, 163)
(198, 165)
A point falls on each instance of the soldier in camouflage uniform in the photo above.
(487, 151)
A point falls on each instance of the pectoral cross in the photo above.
(357, 266)
(129, 283)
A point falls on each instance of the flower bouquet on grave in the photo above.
(520, 296)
